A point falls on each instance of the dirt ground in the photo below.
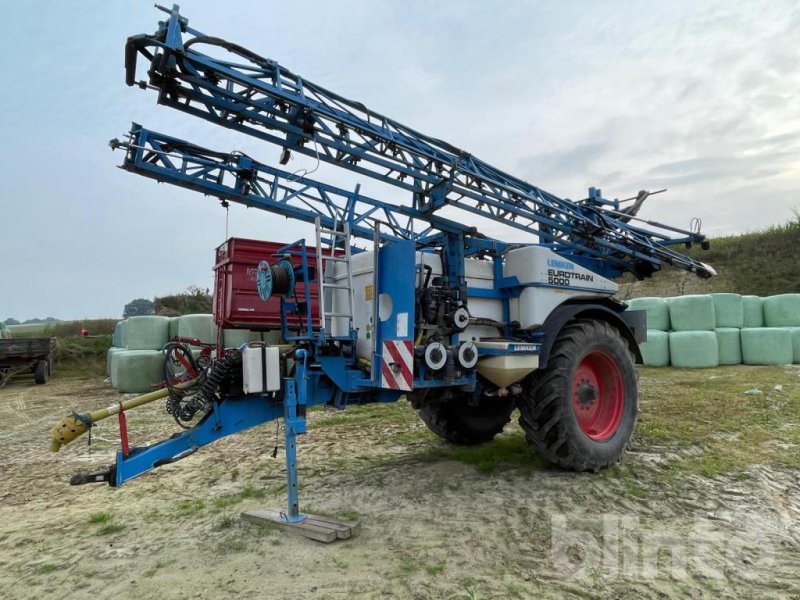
(700, 507)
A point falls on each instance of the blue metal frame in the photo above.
(262, 99)
(226, 418)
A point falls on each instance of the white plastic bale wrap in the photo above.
(753, 310)
(692, 313)
(766, 346)
(657, 311)
(199, 326)
(138, 371)
(795, 332)
(145, 333)
(693, 349)
(782, 310)
(655, 351)
(728, 310)
(729, 345)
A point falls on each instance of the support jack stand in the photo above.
(322, 529)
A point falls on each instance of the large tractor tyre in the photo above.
(42, 372)
(580, 411)
(459, 422)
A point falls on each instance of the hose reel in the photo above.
(277, 279)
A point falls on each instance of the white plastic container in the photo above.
(261, 369)
(480, 274)
(556, 279)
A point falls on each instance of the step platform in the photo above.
(322, 529)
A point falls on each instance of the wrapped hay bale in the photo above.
(782, 310)
(200, 327)
(729, 345)
(109, 356)
(145, 333)
(657, 311)
(137, 371)
(233, 338)
(113, 367)
(655, 351)
(753, 311)
(766, 346)
(692, 313)
(116, 339)
(693, 349)
(795, 332)
(273, 338)
(728, 310)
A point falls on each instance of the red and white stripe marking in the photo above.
(397, 365)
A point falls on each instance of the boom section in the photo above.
(258, 97)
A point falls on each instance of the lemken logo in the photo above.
(560, 264)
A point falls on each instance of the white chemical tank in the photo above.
(554, 280)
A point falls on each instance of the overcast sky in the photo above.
(698, 97)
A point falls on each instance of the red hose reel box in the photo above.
(236, 301)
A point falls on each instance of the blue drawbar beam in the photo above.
(226, 418)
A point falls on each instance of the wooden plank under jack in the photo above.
(322, 529)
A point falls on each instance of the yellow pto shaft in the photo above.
(75, 425)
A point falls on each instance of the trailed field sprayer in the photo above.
(464, 326)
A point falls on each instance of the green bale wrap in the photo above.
(109, 356)
(116, 339)
(138, 371)
(729, 345)
(692, 313)
(273, 338)
(657, 311)
(693, 349)
(113, 367)
(782, 310)
(200, 327)
(145, 333)
(753, 310)
(728, 310)
(795, 332)
(655, 351)
(766, 346)
(233, 338)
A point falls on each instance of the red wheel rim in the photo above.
(597, 395)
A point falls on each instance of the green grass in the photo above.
(190, 507)
(362, 416)
(225, 523)
(101, 517)
(110, 529)
(248, 492)
(47, 568)
(760, 263)
(506, 452)
(708, 409)
(345, 515)
(64, 328)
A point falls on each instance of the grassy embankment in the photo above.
(74, 356)
(761, 263)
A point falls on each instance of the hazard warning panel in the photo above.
(397, 365)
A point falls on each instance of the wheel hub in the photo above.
(587, 394)
(598, 395)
